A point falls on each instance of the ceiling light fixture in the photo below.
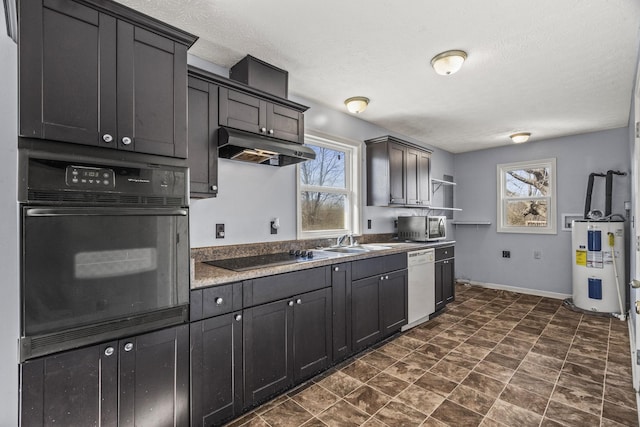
(520, 137)
(356, 104)
(448, 62)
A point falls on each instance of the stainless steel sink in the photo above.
(356, 249)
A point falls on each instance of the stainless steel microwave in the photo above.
(422, 228)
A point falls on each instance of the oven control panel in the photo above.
(90, 177)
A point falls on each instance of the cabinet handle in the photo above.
(214, 188)
(298, 301)
(336, 269)
(290, 303)
(109, 351)
(219, 301)
(270, 131)
(263, 130)
(107, 138)
(128, 346)
(238, 317)
(126, 140)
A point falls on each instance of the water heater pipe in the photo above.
(587, 202)
(609, 190)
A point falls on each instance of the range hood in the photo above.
(248, 147)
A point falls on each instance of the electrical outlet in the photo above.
(395, 223)
(219, 231)
(506, 254)
(537, 254)
(368, 224)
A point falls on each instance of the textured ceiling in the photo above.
(550, 67)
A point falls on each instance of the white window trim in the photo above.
(352, 183)
(551, 227)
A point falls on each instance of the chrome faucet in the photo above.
(344, 236)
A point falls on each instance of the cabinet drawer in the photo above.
(378, 265)
(444, 253)
(272, 288)
(215, 300)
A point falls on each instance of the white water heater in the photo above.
(598, 256)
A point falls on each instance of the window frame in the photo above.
(501, 226)
(353, 156)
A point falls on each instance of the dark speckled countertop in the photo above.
(204, 275)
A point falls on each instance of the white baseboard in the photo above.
(527, 291)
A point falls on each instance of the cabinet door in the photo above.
(242, 111)
(267, 349)
(393, 301)
(365, 312)
(216, 369)
(413, 177)
(65, 48)
(311, 333)
(74, 388)
(341, 294)
(152, 93)
(397, 174)
(448, 286)
(285, 123)
(203, 149)
(154, 379)
(439, 282)
(423, 177)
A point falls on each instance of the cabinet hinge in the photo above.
(637, 129)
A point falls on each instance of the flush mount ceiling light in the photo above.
(448, 62)
(520, 137)
(356, 104)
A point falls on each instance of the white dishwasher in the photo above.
(422, 289)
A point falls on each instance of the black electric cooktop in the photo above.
(268, 260)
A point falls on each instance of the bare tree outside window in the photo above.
(526, 197)
(325, 208)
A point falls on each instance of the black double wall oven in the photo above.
(105, 249)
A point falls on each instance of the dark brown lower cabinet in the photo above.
(285, 341)
(139, 381)
(216, 369)
(393, 302)
(444, 283)
(378, 307)
(341, 302)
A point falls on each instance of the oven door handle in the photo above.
(37, 212)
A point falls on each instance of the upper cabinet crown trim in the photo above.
(232, 84)
(134, 17)
(388, 138)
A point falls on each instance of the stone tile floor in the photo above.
(493, 358)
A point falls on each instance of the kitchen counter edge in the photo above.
(206, 275)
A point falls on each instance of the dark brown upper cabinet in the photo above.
(397, 173)
(101, 74)
(254, 114)
(203, 146)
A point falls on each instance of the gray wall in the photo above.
(9, 302)
(251, 195)
(479, 249)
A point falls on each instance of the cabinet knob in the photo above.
(126, 140)
(128, 346)
(219, 301)
(214, 188)
(382, 278)
(290, 303)
(238, 317)
(336, 269)
(386, 277)
(107, 138)
(109, 351)
(270, 131)
(263, 130)
(298, 301)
